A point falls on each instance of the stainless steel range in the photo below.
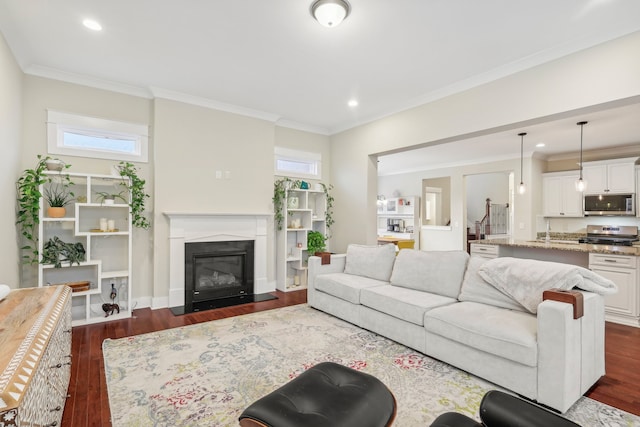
(623, 235)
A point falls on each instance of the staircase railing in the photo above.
(495, 220)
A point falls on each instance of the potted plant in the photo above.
(135, 186)
(28, 201)
(316, 245)
(110, 198)
(55, 251)
(57, 195)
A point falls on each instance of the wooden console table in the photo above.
(35, 355)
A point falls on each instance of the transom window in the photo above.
(297, 163)
(81, 136)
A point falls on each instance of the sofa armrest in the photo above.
(338, 262)
(570, 351)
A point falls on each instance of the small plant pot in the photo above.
(109, 201)
(56, 212)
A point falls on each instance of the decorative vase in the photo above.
(293, 202)
(56, 212)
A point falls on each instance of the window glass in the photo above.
(297, 164)
(81, 136)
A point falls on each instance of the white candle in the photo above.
(103, 224)
(111, 225)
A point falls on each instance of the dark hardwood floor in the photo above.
(88, 404)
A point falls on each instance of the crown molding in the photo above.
(214, 105)
(84, 80)
(604, 153)
(303, 127)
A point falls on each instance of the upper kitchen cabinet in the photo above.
(610, 176)
(560, 197)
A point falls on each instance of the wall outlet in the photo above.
(521, 226)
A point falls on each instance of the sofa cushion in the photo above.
(345, 286)
(403, 303)
(506, 333)
(375, 262)
(438, 272)
(476, 289)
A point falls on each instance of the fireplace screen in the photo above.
(217, 270)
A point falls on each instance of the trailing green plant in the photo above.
(328, 214)
(315, 242)
(135, 185)
(55, 251)
(281, 189)
(28, 205)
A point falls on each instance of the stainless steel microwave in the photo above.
(610, 204)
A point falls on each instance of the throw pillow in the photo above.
(375, 262)
(476, 289)
(438, 272)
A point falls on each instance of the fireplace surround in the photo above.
(186, 228)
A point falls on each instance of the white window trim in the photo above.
(281, 153)
(58, 123)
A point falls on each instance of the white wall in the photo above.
(192, 143)
(11, 79)
(608, 73)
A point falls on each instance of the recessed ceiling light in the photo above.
(352, 103)
(540, 144)
(92, 25)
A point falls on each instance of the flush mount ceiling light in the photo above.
(330, 13)
(521, 188)
(581, 184)
(92, 25)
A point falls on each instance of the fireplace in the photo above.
(216, 272)
(189, 228)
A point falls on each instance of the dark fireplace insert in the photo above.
(216, 272)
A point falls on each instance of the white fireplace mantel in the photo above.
(187, 227)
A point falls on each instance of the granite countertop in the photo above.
(564, 245)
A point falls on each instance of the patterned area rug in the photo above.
(206, 374)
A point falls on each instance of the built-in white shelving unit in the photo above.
(108, 249)
(400, 217)
(304, 210)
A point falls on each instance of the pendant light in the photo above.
(521, 188)
(581, 184)
(330, 13)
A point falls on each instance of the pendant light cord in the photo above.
(581, 124)
(521, 156)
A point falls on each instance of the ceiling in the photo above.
(270, 59)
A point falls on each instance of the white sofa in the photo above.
(439, 304)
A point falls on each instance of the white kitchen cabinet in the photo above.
(559, 195)
(485, 251)
(303, 211)
(107, 264)
(623, 306)
(610, 176)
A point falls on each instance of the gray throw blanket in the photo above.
(524, 280)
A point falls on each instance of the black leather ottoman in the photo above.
(326, 395)
(499, 409)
